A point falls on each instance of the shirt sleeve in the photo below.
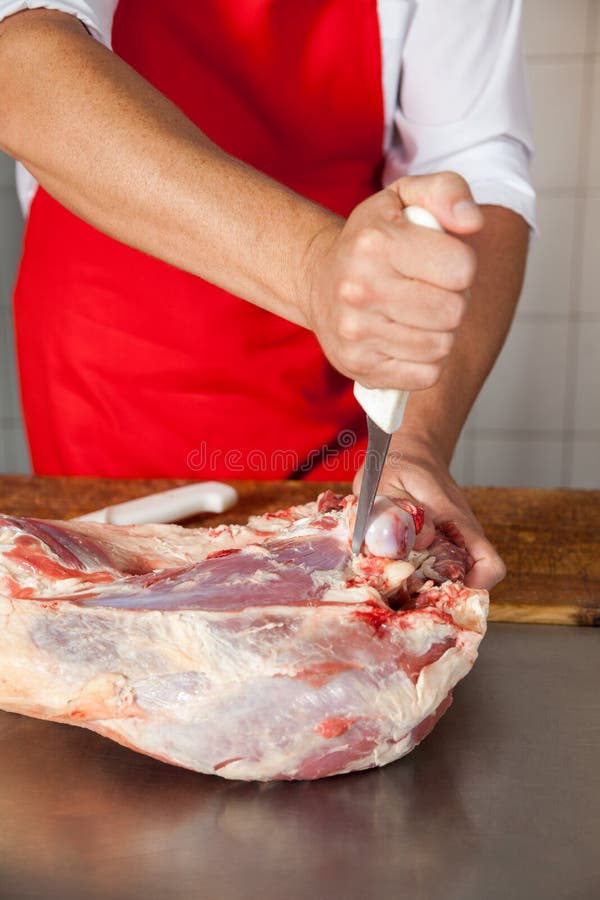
(463, 102)
(96, 15)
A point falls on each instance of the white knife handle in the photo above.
(385, 406)
(168, 506)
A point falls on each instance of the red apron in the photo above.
(130, 367)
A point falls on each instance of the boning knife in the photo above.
(385, 410)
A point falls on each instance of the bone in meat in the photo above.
(262, 652)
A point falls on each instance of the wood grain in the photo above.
(549, 539)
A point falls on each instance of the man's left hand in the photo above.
(420, 474)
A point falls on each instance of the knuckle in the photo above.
(465, 265)
(355, 360)
(350, 328)
(455, 309)
(368, 241)
(352, 291)
(362, 371)
(450, 180)
(442, 345)
(414, 376)
(370, 380)
(427, 375)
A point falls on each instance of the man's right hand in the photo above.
(387, 296)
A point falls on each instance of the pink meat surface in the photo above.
(264, 651)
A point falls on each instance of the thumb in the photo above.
(446, 195)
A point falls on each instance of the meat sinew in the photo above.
(261, 652)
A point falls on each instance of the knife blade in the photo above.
(385, 410)
(377, 449)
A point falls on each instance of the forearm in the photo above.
(120, 155)
(438, 414)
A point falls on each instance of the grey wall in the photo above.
(537, 421)
(13, 451)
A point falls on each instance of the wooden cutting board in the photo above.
(549, 539)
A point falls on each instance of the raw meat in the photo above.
(262, 652)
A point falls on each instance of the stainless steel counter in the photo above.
(502, 800)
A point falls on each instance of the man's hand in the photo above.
(414, 470)
(387, 296)
(387, 300)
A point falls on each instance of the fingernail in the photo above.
(466, 212)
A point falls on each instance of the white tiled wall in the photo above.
(537, 420)
(13, 450)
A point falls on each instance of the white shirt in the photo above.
(454, 88)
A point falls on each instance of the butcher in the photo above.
(215, 246)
